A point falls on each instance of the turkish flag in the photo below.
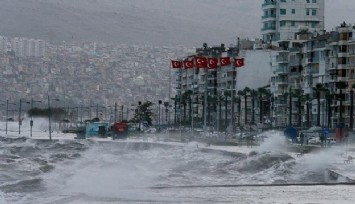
(188, 64)
(201, 62)
(225, 61)
(239, 62)
(176, 64)
(212, 63)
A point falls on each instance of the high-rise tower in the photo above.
(283, 18)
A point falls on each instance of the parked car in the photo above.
(314, 140)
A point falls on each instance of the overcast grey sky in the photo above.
(160, 22)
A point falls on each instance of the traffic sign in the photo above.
(325, 131)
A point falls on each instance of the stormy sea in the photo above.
(86, 171)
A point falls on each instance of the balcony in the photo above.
(266, 17)
(282, 60)
(272, 28)
(269, 5)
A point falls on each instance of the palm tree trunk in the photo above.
(175, 104)
(220, 114)
(351, 109)
(299, 111)
(253, 110)
(239, 110)
(208, 113)
(308, 121)
(184, 111)
(245, 109)
(329, 100)
(290, 109)
(318, 108)
(190, 109)
(261, 109)
(226, 113)
(341, 106)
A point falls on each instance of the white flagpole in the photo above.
(169, 100)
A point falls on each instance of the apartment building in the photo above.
(221, 87)
(283, 18)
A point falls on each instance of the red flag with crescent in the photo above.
(189, 64)
(225, 61)
(212, 63)
(201, 62)
(176, 64)
(239, 62)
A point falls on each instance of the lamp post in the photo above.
(139, 115)
(351, 109)
(49, 117)
(31, 122)
(159, 103)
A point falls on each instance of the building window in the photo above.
(314, 24)
(282, 11)
(307, 12)
(308, 1)
(314, 1)
(282, 0)
(293, 11)
(293, 24)
(282, 23)
(314, 12)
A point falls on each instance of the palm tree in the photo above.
(175, 99)
(298, 94)
(352, 107)
(240, 94)
(166, 105)
(318, 89)
(253, 94)
(226, 95)
(246, 91)
(186, 97)
(306, 99)
(261, 92)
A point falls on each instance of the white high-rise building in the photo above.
(25, 47)
(283, 18)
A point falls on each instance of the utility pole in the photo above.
(49, 120)
(19, 118)
(115, 117)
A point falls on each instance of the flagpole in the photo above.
(169, 100)
(205, 98)
(193, 99)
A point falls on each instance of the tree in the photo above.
(299, 94)
(318, 89)
(57, 113)
(166, 105)
(226, 95)
(245, 93)
(306, 99)
(210, 100)
(143, 112)
(352, 107)
(186, 97)
(253, 94)
(240, 94)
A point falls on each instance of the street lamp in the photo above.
(31, 122)
(139, 114)
(49, 117)
(159, 102)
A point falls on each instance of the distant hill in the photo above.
(158, 22)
